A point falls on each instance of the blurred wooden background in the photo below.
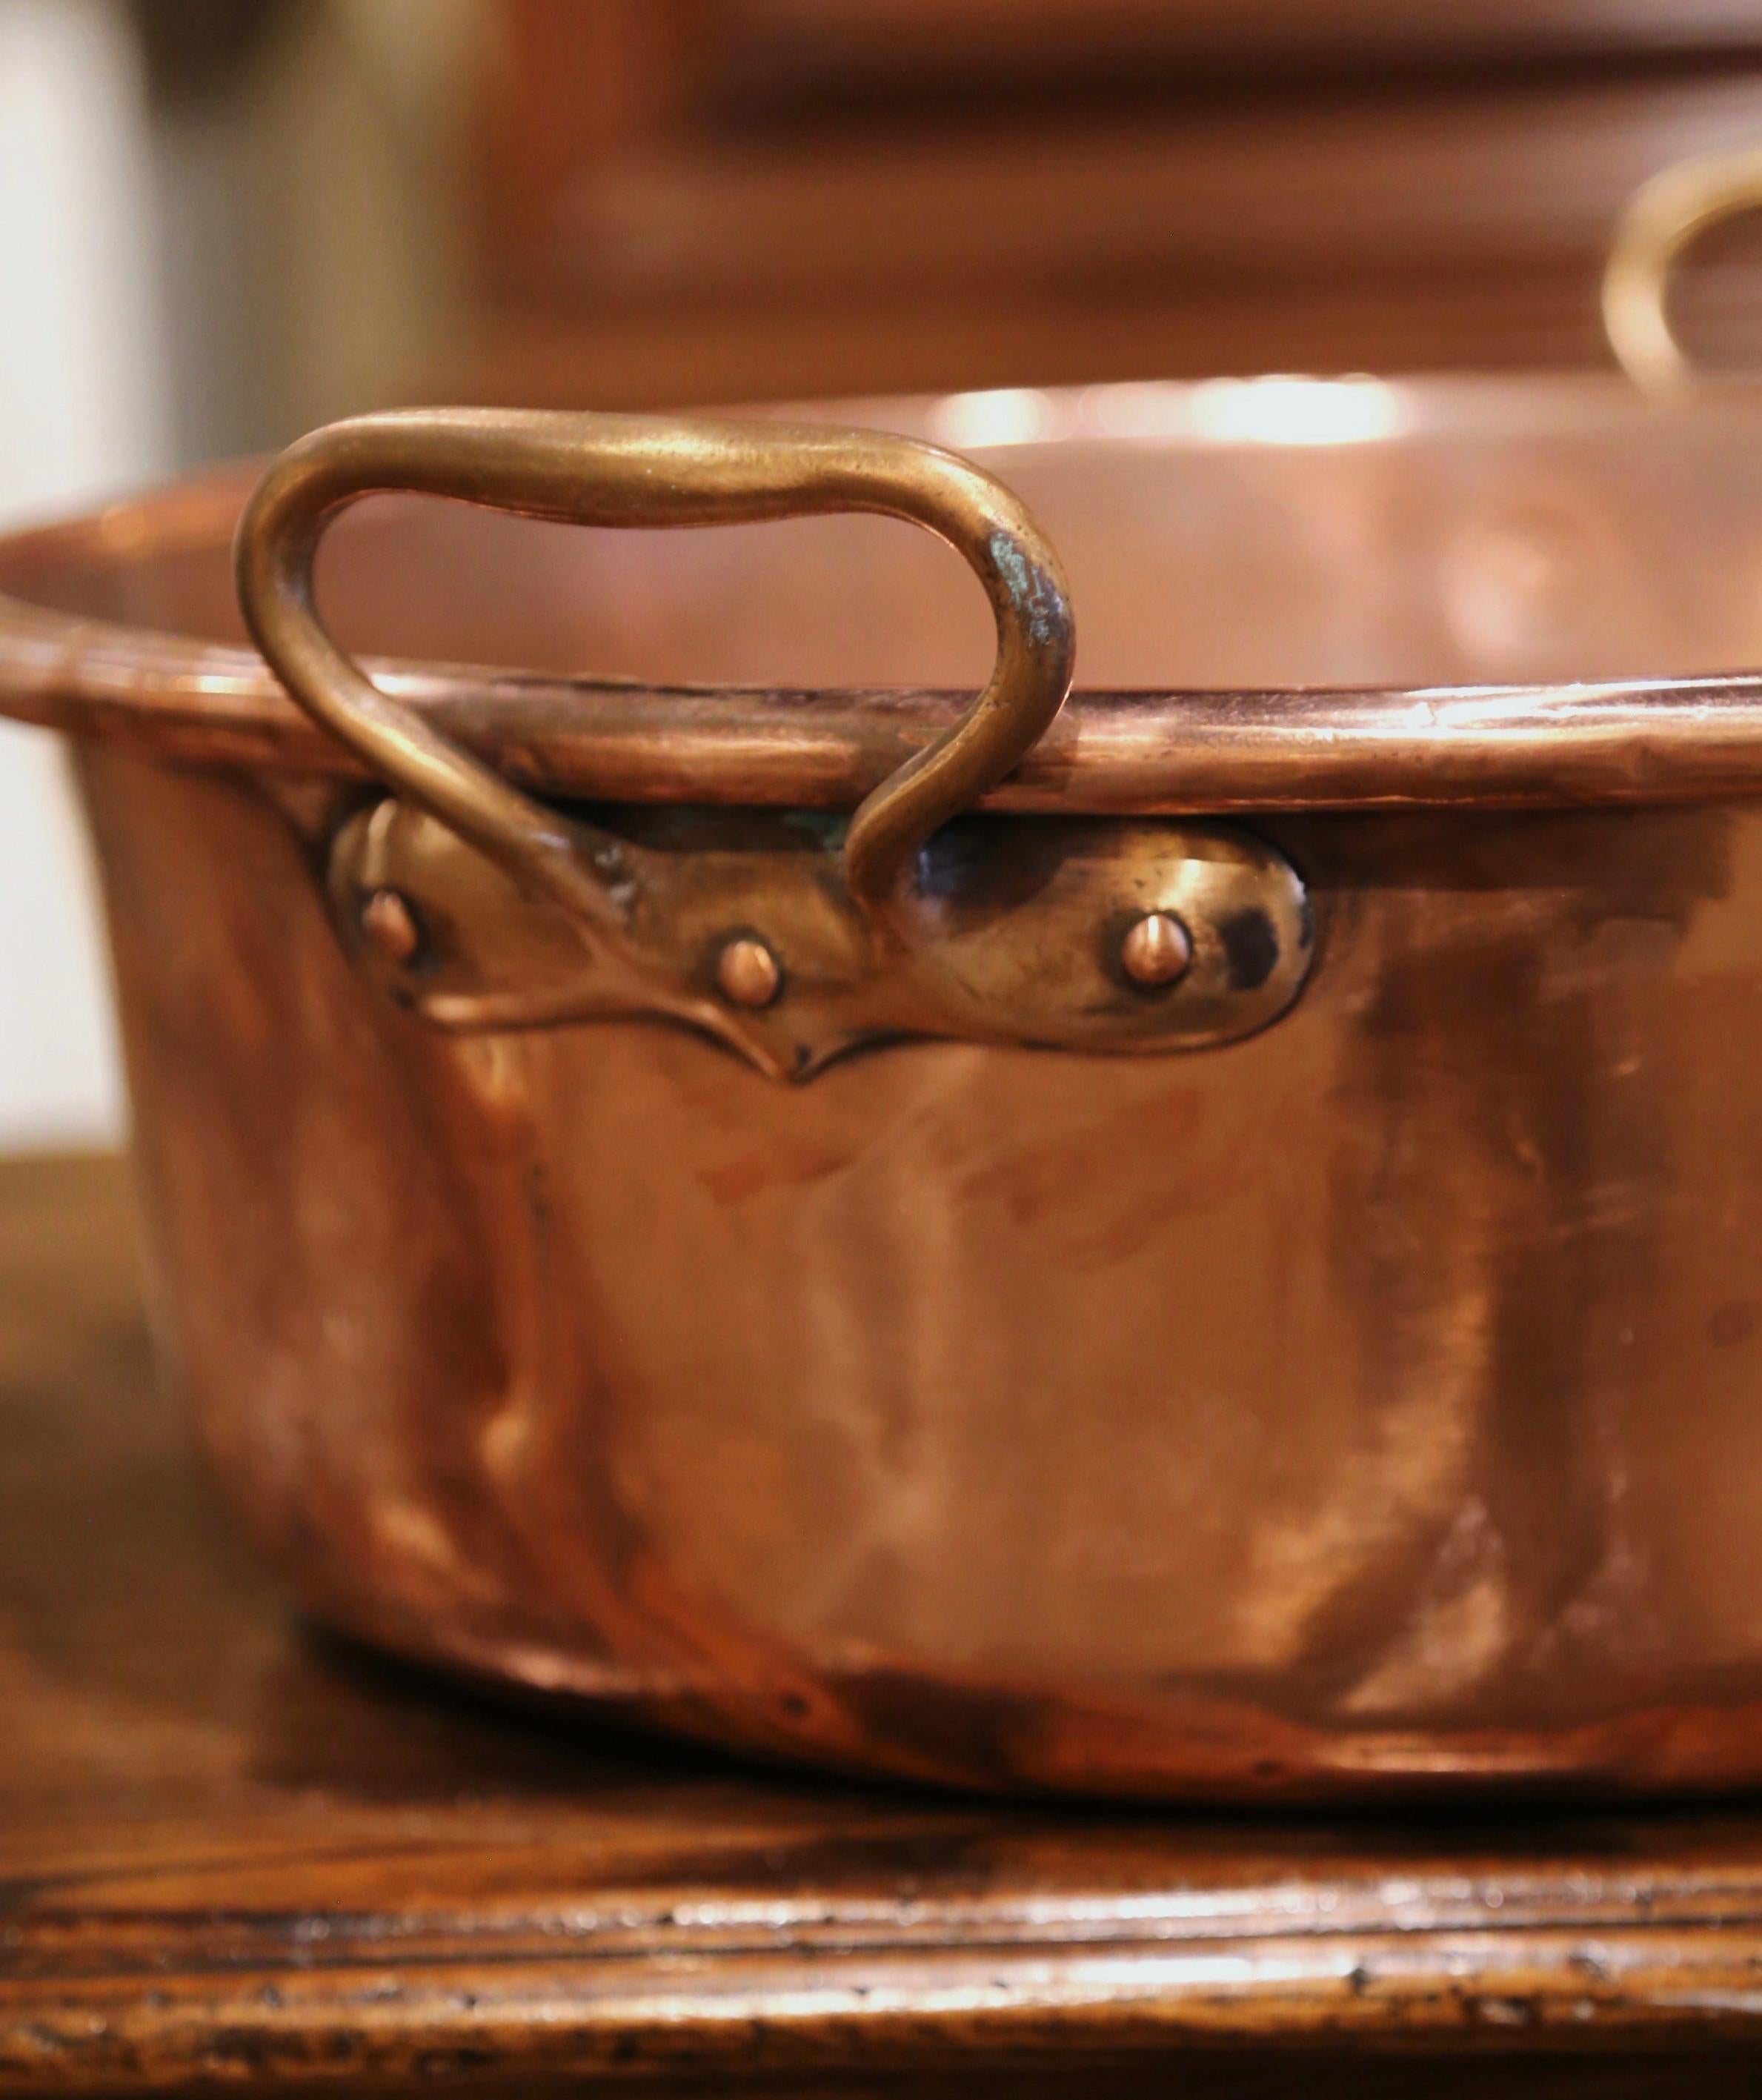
(712, 199)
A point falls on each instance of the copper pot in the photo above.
(1230, 1269)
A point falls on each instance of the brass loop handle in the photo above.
(1662, 217)
(642, 470)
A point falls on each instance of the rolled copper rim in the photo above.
(1144, 752)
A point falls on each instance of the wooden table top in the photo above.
(231, 1851)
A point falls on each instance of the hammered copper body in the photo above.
(1374, 1403)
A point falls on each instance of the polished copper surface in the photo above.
(1367, 1405)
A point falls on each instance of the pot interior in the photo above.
(1261, 533)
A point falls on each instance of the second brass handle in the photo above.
(1663, 216)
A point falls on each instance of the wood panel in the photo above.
(712, 200)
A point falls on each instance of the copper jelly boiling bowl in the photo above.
(1231, 1271)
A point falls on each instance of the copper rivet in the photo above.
(747, 972)
(1156, 950)
(390, 924)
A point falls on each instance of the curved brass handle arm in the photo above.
(1661, 218)
(640, 471)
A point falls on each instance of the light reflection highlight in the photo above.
(1275, 409)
